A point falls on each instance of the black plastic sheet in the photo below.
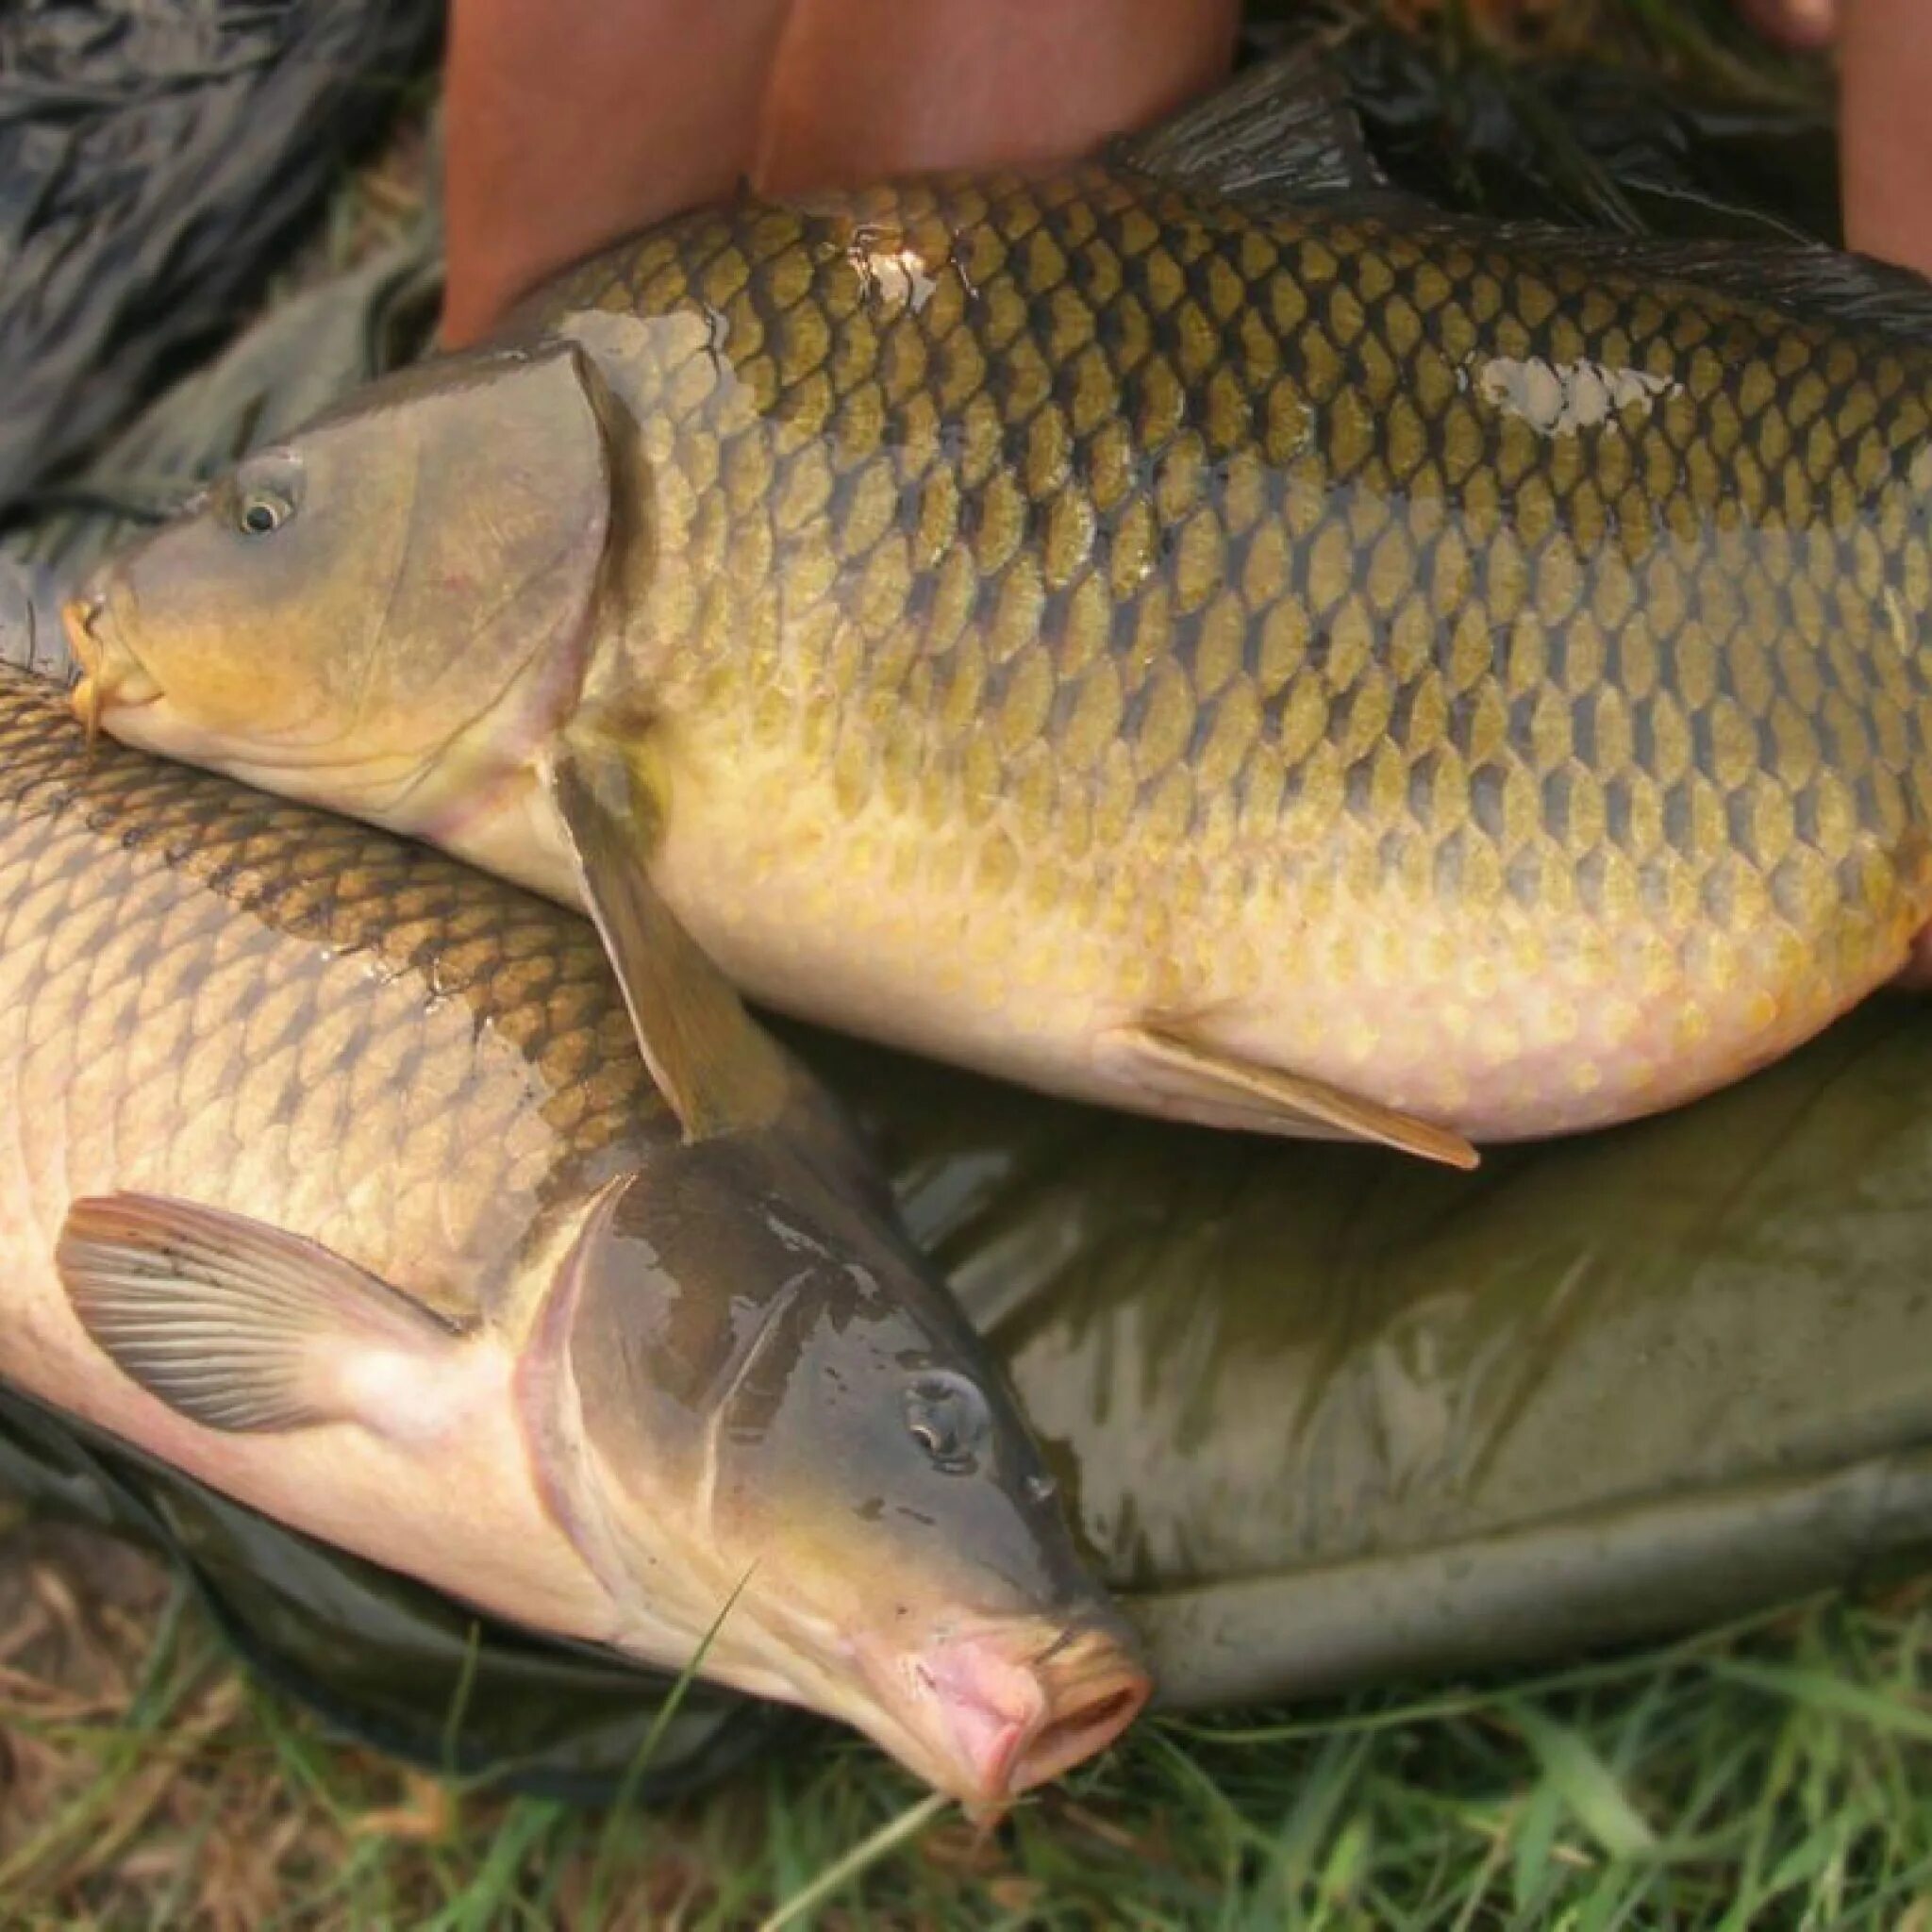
(1588, 142)
(157, 157)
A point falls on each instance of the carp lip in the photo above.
(111, 674)
(1005, 1725)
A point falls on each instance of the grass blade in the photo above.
(894, 1832)
(1587, 1785)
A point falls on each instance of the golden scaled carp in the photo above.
(331, 1176)
(1186, 630)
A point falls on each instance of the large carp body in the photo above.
(331, 1175)
(1150, 629)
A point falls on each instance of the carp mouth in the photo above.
(1014, 1728)
(985, 1718)
(983, 1712)
(110, 674)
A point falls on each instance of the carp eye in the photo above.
(946, 1415)
(262, 511)
(267, 490)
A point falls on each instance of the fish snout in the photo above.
(79, 616)
(1007, 1724)
(110, 672)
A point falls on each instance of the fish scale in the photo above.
(178, 1028)
(1440, 665)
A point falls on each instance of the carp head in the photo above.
(764, 1413)
(387, 612)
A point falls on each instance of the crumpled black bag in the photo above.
(1323, 1417)
(157, 157)
(1586, 143)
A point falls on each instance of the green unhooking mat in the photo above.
(1325, 1417)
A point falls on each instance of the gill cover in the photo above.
(748, 1339)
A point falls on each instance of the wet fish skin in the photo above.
(219, 998)
(1448, 669)
(1212, 653)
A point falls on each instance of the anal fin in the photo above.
(1169, 1060)
(242, 1326)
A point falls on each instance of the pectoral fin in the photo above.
(239, 1325)
(719, 1069)
(1244, 1092)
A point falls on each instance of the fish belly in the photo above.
(1500, 1019)
(461, 1513)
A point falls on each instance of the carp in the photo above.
(1190, 630)
(331, 1175)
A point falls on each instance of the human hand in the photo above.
(1885, 125)
(571, 123)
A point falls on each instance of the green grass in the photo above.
(1773, 1774)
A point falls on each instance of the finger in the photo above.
(1885, 131)
(862, 89)
(569, 123)
(1803, 24)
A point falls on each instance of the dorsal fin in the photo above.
(1808, 282)
(1282, 128)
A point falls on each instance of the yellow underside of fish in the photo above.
(1472, 1012)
